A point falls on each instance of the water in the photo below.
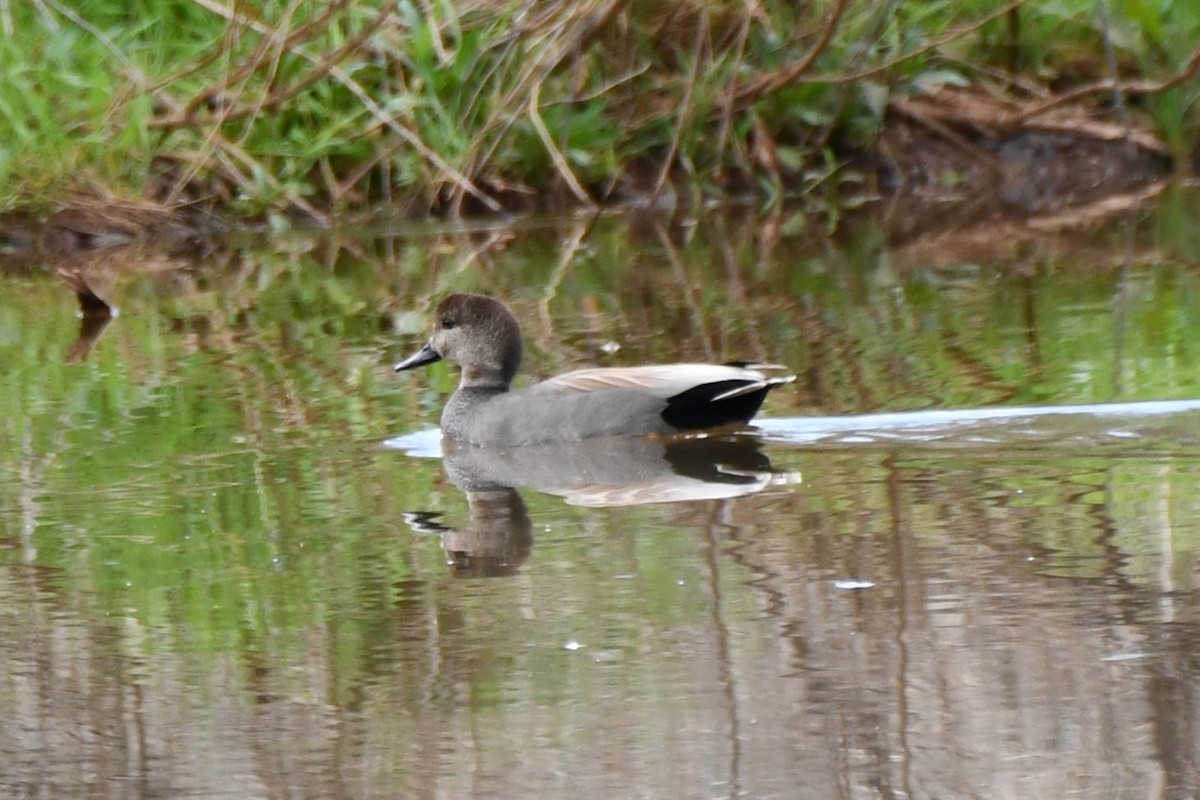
(958, 559)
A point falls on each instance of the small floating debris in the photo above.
(853, 583)
(1117, 658)
(573, 645)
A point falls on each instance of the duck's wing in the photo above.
(690, 396)
(666, 381)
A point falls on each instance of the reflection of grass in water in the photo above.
(219, 538)
(212, 461)
(1033, 512)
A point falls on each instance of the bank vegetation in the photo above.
(314, 110)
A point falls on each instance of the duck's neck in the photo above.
(488, 377)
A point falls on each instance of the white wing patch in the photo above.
(664, 380)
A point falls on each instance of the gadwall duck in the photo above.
(482, 336)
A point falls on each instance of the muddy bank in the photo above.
(955, 159)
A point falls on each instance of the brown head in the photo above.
(479, 334)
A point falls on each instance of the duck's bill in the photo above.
(426, 355)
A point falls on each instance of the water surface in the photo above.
(937, 570)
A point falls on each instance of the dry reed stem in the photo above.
(99, 35)
(377, 113)
(797, 73)
(252, 62)
(723, 132)
(775, 80)
(272, 64)
(568, 28)
(1190, 70)
(278, 98)
(928, 47)
(685, 105)
(560, 161)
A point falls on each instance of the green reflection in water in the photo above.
(229, 408)
(211, 477)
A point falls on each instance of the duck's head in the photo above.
(479, 334)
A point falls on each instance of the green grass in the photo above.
(320, 108)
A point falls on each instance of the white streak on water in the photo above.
(1101, 421)
(420, 444)
(1124, 422)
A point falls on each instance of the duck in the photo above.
(482, 336)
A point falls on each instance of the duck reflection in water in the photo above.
(621, 471)
(496, 539)
(94, 314)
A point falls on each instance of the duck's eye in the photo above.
(448, 322)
